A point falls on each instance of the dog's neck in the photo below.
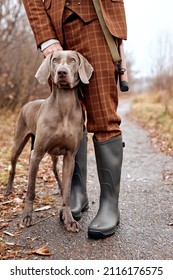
(64, 98)
(63, 92)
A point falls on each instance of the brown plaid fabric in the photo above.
(100, 95)
(85, 10)
(83, 34)
(46, 18)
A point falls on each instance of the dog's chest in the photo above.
(64, 141)
(61, 127)
(62, 136)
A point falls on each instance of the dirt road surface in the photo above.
(146, 206)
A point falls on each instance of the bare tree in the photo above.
(9, 14)
(19, 57)
(163, 63)
(162, 78)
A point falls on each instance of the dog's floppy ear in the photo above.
(85, 69)
(43, 71)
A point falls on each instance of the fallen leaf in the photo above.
(4, 225)
(47, 207)
(7, 202)
(53, 213)
(20, 225)
(10, 243)
(8, 233)
(3, 247)
(41, 251)
(18, 200)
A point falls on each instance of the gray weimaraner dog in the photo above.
(57, 125)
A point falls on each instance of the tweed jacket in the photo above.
(46, 16)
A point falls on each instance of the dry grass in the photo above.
(154, 110)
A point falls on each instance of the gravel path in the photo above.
(146, 206)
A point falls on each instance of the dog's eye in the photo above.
(55, 60)
(72, 59)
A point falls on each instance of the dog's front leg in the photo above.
(29, 199)
(66, 216)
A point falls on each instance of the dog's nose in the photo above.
(62, 73)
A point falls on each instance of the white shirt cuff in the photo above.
(48, 43)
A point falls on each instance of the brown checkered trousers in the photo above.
(100, 95)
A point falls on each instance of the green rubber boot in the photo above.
(79, 197)
(109, 155)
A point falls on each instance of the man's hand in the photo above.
(52, 48)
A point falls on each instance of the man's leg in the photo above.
(101, 101)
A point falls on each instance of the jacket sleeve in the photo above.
(39, 21)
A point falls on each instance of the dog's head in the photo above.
(66, 69)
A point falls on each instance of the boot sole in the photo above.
(94, 234)
(99, 234)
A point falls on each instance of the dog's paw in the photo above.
(27, 220)
(8, 191)
(73, 226)
(70, 224)
(27, 214)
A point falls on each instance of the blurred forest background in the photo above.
(19, 57)
(19, 60)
